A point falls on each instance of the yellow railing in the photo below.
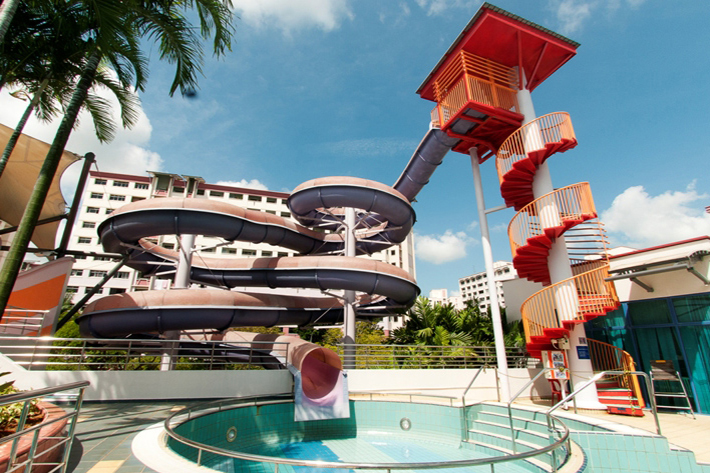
(568, 300)
(534, 135)
(551, 210)
(469, 78)
(606, 357)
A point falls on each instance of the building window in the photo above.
(77, 272)
(97, 195)
(267, 253)
(122, 275)
(95, 273)
(271, 200)
(216, 194)
(272, 212)
(84, 240)
(136, 199)
(102, 258)
(141, 185)
(88, 224)
(108, 211)
(169, 246)
(92, 210)
(72, 289)
(178, 190)
(208, 250)
(281, 254)
(100, 182)
(283, 201)
(229, 251)
(255, 198)
(235, 196)
(120, 183)
(286, 214)
(116, 290)
(120, 198)
(200, 192)
(249, 252)
(79, 256)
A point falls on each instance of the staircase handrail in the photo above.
(597, 377)
(624, 362)
(574, 201)
(543, 302)
(552, 127)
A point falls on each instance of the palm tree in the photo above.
(117, 28)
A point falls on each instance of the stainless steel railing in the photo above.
(201, 448)
(48, 353)
(48, 457)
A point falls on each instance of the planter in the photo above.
(48, 449)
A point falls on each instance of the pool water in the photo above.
(370, 449)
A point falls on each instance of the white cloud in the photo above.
(573, 13)
(437, 7)
(127, 153)
(439, 249)
(290, 15)
(638, 219)
(253, 184)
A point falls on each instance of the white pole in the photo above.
(492, 289)
(182, 281)
(349, 296)
(558, 263)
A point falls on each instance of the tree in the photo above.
(117, 28)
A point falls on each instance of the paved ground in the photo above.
(105, 432)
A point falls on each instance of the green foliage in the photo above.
(10, 413)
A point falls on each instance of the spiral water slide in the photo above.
(385, 218)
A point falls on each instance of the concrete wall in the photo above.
(155, 385)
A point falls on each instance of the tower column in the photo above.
(349, 296)
(558, 263)
(498, 335)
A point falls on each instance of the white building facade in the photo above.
(475, 286)
(105, 192)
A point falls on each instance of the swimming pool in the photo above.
(392, 435)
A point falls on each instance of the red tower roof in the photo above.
(510, 40)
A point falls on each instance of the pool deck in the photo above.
(106, 430)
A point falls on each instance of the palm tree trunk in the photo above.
(13, 262)
(21, 125)
(7, 12)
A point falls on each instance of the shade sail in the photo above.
(19, 178)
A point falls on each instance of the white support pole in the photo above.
(558, 263)
(349, 296)
(492, 289)
(182, 281)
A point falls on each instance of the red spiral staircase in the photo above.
(567, 214)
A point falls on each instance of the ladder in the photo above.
(664, 370)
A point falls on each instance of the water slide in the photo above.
(385, 218)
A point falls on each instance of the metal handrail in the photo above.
(350, 465)
(34, 430)
(598, 376)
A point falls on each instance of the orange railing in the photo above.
(568, 300)
(470, 78)
(606, 357)
(574, 202)
(550, 128)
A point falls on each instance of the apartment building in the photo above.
(475, 286)
(105, 192)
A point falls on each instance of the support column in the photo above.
(349, 296)
(498, 335)
(558, 263)
(182, 281)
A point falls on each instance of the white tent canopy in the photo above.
(18, 180)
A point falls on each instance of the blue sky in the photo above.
(327, 87)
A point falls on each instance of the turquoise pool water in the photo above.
(376, 432)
